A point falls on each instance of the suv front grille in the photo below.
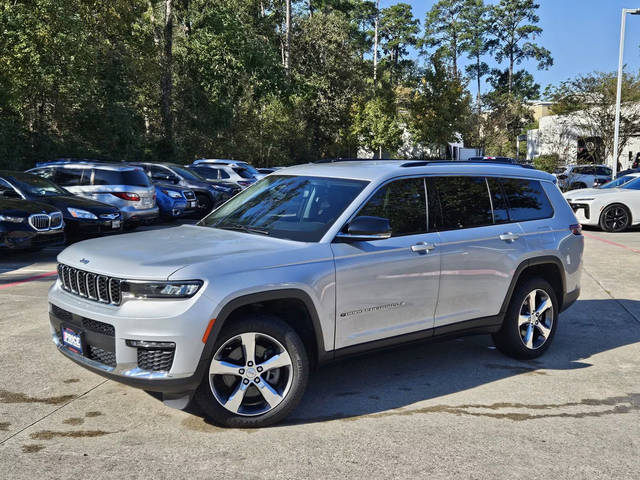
(103, 356)
(156, 360)
(90, 285)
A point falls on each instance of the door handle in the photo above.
(509, 237)
(422, 247)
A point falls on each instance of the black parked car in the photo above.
(82, 216)
(209, 195)
(26, 225)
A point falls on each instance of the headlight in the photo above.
(172, 193)
(7, 218)
(177, 289)
(78, 213)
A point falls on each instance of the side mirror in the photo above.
(366, 228)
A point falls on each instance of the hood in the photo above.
(64, 201)
(156, 254)
(590, 193)
(23, 208)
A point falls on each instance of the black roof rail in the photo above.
(336, 160)
(424, 163)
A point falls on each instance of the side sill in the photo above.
(478, 326)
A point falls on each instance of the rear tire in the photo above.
(205, 205)
(615, 218)
(527, 332)
(250, 390)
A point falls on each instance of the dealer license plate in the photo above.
(72, 340)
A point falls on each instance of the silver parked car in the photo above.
(314, 263)
(126, 187)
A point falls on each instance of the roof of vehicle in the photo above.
(382, 169)
(219, 161)
(84, 164)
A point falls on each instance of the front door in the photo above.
(388, 287)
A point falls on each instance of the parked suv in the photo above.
(122, 186)
(229, 171)
(209, 196)
(314, 263)
(583, 176)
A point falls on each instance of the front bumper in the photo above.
(584, 212)
(25, 239)
(106, 329)
(92, 227)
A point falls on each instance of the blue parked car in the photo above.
(175, 202)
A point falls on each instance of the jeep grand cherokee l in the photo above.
(311, 264)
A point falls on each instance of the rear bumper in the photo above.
(569, 299)
(140, 216)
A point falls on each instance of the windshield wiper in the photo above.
(243, 228)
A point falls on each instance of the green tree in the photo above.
(398, 30)
(514, 26)
(377, 127)
(441, 106)
(474, 40)
(443, 30)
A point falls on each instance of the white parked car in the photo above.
(614, 207)
(583, 176)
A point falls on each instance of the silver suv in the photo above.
(126, 187)
(583, 176)
(314, 263)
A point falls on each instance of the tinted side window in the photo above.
(603, 171)
(70, 177)
(464, 202)
(498, 201)
(403, 203)
(527, 200)
(223, 174)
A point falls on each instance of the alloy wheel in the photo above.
(615, 218)
(250, 374)
(535, 320)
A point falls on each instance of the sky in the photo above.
(582, 35)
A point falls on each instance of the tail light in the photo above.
(131, 197)
(576, 229)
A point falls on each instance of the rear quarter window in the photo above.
(526, 200)
(135, 178)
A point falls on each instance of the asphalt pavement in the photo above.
(456, 409)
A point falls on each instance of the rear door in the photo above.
(480, 248)
(389, 287)
(77, 180)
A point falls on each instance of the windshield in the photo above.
(36, 186)
(633, 184)
(296, 208)
(617, 182)
(188, 174)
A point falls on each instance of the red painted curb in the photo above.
(26, 280)
(615, 244)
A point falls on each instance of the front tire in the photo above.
(615, 218)
(530, 322)
(257, 375)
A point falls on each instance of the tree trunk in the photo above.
(166, 80)
(510, 71)
(287, 38)
(454, 53)
(375, 46)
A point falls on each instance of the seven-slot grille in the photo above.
(43, 221)
(90, 285)
(189, 195)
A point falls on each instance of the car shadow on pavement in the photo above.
(380, 382)
(15, 260)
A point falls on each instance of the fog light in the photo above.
(147, 344)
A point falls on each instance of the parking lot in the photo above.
(456, 409)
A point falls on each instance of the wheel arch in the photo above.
(548, 267)
(293, 306)
(614, 204)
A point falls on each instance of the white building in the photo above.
(570, 138)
